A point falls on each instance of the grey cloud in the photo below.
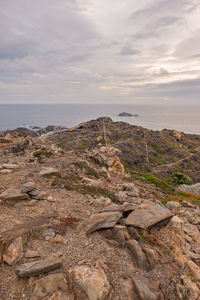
(50, 48)
(127, 50)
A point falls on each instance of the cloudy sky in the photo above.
(100, 51)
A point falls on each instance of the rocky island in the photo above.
(125, 114)
(103, 210)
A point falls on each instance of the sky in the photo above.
(100, 51)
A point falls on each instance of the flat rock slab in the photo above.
(148, 214)
(13, 195)
(116, 207)
(48, 171)
(103, 220)
(37, 268)
(11, 166)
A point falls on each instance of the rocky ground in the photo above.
(76, 224)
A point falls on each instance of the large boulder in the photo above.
(148, 214)
(89, 282)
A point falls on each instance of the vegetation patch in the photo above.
(150, 178)
(178, 178)
(88, 170)
(180, 196)
(42, 153)
(141, 235)
(90, 190)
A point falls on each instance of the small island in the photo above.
(125, 114)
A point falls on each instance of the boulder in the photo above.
(89, 282)
(14, 253)
(148, 214)
(28, 187)
(51, 284)
(103, 220)
(37, 267)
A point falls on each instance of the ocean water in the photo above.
(156, 117)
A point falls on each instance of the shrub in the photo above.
(178, 178)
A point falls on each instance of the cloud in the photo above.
(98, 51)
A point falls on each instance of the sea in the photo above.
(156, 117)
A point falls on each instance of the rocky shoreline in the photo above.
(81, 217)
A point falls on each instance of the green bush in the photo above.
(178, 178)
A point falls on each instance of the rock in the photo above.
(172, 205)
(194, 269)
(103, 220)
(138, 254)
(187, 204)
(190, 289)
(89, 282)
(151, 255)
(97, 183)
(143, 288)
(178, 135)
(115, 165)
(37, 267)
(194, 188)
(59, 239)
(34, 194)
(48, 171)
(14, 253)
(49, 234)
(130, 187)
(120, 234)
(175, 239)
(103, 201)
(6, 171)
(13, 195)
(28, 187)
(115, 207)
(51, 199)
(133, 232)
(11, 166)
(52, 284)
(31, 254)
(148, 214)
